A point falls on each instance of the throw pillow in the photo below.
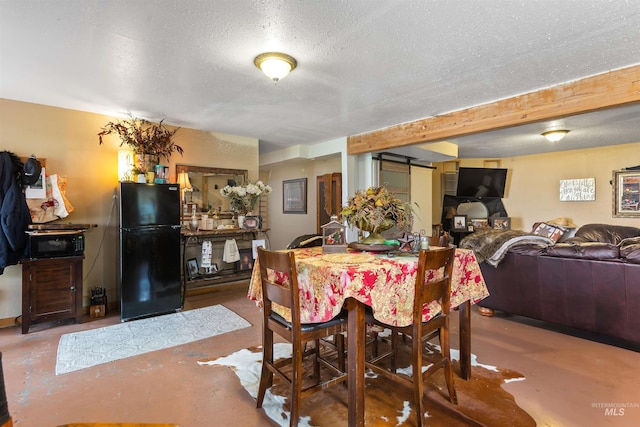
(552, 232)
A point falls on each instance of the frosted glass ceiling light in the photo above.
(275, 65)
(555, 135)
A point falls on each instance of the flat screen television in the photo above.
(481, 182)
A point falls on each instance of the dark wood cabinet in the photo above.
(328, 198)
(51, 290)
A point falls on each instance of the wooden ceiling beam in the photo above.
(611, 89)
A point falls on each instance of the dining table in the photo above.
(329, 282)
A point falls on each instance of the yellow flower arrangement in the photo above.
(376, 209)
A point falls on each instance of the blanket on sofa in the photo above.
(492, 245)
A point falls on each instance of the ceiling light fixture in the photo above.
(275, 65)
(555, 135)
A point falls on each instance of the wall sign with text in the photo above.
(577, 190)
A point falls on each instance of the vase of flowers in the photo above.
(243, 198)
(376, 210)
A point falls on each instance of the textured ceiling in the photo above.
(362, 64)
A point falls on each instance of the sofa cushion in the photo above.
(604, 233)
(588, 250)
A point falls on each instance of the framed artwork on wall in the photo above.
(294, 196)
(626, 193)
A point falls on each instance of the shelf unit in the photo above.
(227, 272)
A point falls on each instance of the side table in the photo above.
(51, 290)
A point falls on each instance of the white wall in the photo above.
(286, 227)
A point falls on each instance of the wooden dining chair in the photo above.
(441, 240)
(419, 332)
(118, 425)
(280, 286)
(5, 417)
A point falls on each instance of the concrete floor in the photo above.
(569, 380)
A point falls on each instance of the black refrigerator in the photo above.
(149, 250)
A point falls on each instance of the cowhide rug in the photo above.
(481, 400)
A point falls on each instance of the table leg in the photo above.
(355, 361)
(465, 340)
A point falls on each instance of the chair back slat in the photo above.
(441, 262)
(277, 293)
(435, 291)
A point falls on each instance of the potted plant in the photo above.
(149, 141)
(374, 210)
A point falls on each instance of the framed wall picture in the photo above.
(626, 193)
(192, 268)
(459, 223)
(294, 196)
(502, 223)
(246, 260)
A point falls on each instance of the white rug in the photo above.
(84, 349)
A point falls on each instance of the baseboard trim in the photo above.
(8, 322)
(218, 287)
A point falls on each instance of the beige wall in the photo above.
(533, 185)
(286, 227)
(422, 198)
(67, 140)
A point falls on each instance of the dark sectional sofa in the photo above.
(589, 282)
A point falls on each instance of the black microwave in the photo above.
(55, 244)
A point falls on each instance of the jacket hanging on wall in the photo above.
(14, 212)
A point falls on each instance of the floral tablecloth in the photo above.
(384, 283)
